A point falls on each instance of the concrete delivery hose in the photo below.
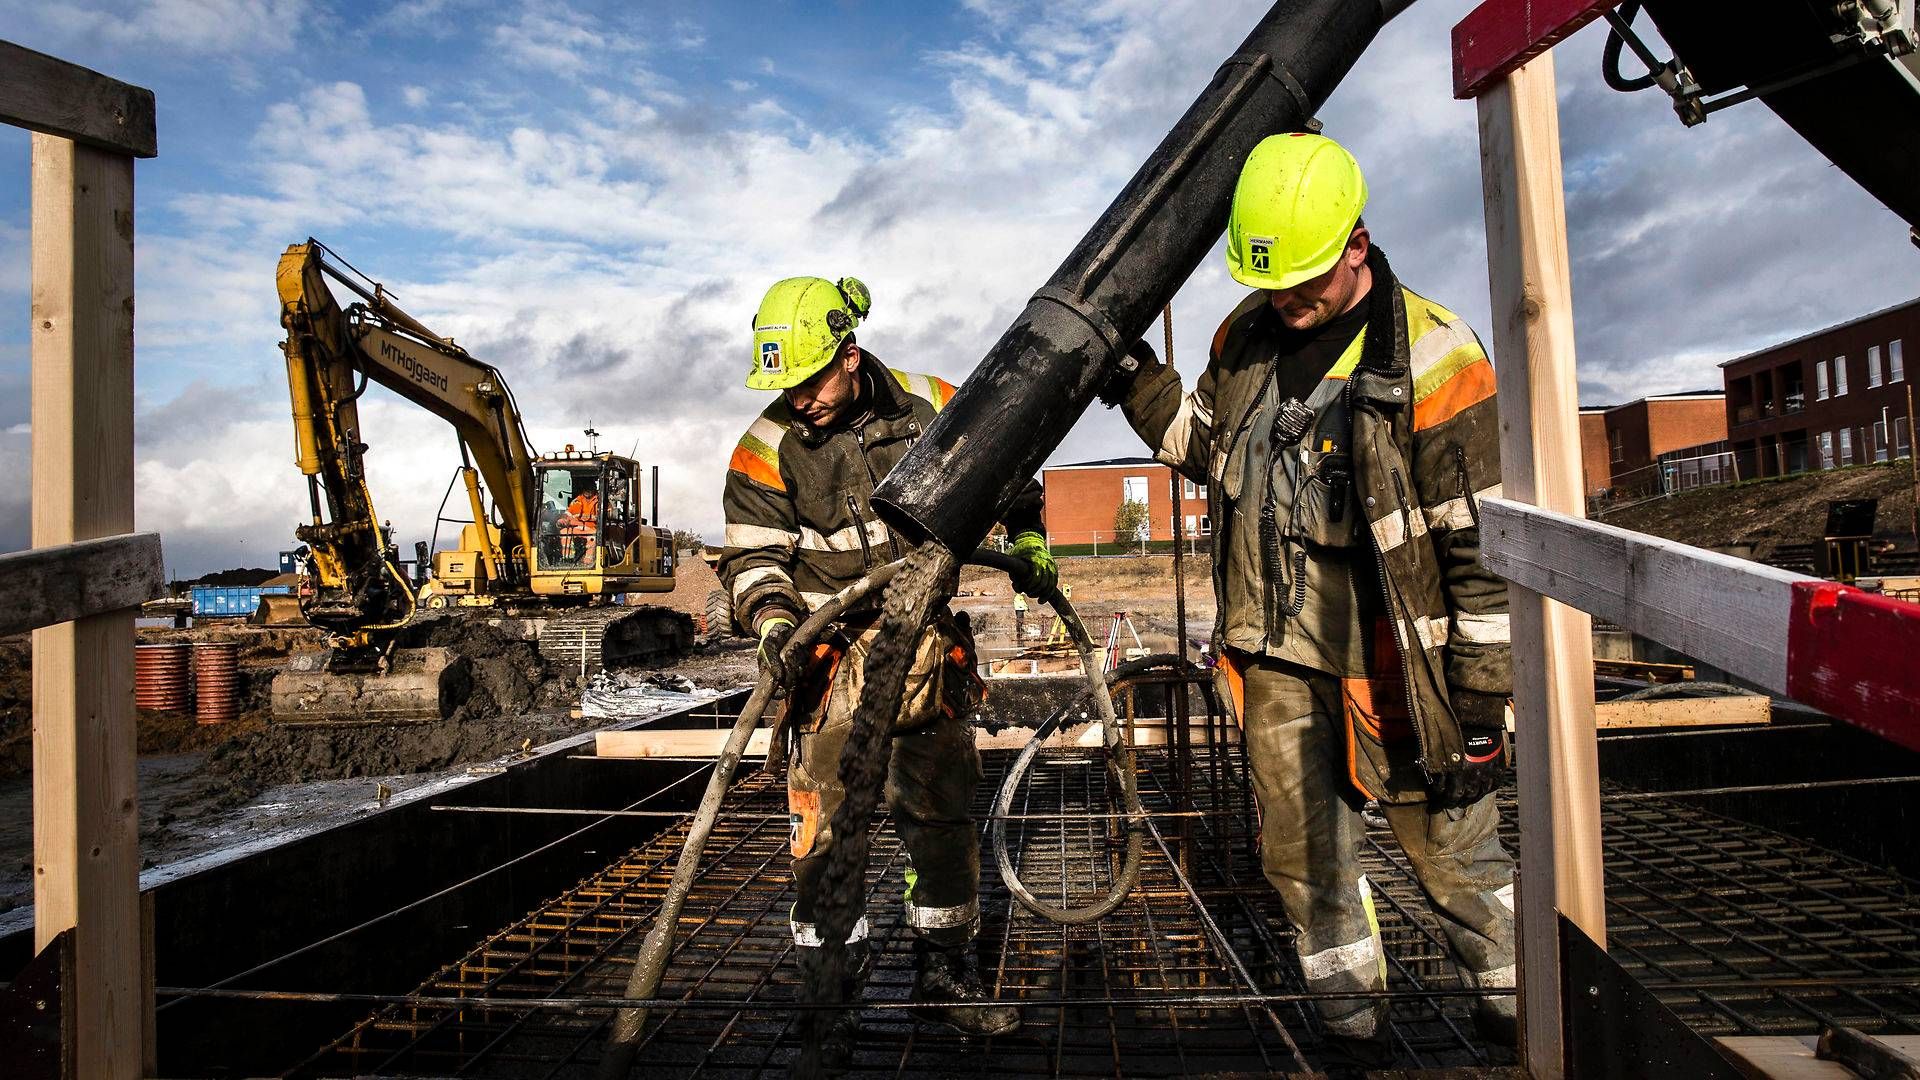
(624, 1041)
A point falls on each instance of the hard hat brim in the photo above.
(1287, 280)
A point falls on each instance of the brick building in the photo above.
(1831, 398)
(1082, 499)
(1624, 448)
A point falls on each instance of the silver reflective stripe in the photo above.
(768, 433)
(1483, 629)
(1391, 531)
(1498, 977)
(807, 935)
(813, 600)
(940, 918)
(847, 539)
(1432, 633)
(1434, 348)
(1340, 959)
(1358, 1026)
(749, 578)
(759, 536)
(1504, 894)
(1179, 433)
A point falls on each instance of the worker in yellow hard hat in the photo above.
(1345, 428)
(801, 527)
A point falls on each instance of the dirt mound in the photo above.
(1767, 513)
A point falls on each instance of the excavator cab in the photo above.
(589, 538)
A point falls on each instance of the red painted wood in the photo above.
(1501, 35)
(1856, 655)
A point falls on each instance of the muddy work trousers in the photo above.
(1311, 833)
(932, 772)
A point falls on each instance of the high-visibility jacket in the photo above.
(1426, 449)
(799, 523)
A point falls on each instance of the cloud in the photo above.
(602, 239)
(233, 28)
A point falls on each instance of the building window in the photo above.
(1820, 380)
(1191, 490)
(1839, 376)
(1133, 489)
(1880, 446)
(1899, 369)
(1846, 446)
(1902, 438)
(1873, 365)
(1615, 440)
(1826, 449)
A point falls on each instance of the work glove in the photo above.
(1041, 574)
(1140, 357)
(1483, 730)
(775, 632)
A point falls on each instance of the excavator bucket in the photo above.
(413, 685)
(278, 610)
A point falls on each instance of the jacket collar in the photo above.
(887, 401)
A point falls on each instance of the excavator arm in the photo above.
(332, 354)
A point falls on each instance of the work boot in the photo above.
(951, 975)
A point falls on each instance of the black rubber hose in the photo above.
(1610, 56)
(623, 1043)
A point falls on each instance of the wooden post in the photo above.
(1540, 458)
(85, 830)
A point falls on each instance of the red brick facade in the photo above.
(1082, 499)
(1620, 445)
(1832, 398)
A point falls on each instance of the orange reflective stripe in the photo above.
(943, 392)
(1472, 385)
(755, 467)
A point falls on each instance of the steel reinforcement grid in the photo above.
(1739, 929)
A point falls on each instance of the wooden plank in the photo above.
(49, 585)
(1779, 1057)
(49, 95)
(85, 828)
(1684, 712)
(1501, 35)
(1726, 611)
(646, 743)
(1559, 782)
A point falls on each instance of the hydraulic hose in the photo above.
(1119, 761)
(1610, 54)
(624, 1041)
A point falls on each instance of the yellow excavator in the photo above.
(553, 543)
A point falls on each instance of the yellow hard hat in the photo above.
(799, 328)
(1297, 201)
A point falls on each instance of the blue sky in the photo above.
(593, 196)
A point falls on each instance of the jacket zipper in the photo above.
(860, 524)
(893, 545)
(1466, 493)
(1399, 642)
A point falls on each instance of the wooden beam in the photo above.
(85, 828)
(49, 95)
(1724, 711)
(43, 586)
(1500, 35)
(1726, 611)
(1540, 462)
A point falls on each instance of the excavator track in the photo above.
(594, 638)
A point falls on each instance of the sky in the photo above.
(592, 196)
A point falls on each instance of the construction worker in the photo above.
(799, 529)
(580, 519)
(1019, 619)
(1346, 430)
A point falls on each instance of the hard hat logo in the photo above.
(770, 363)
(1260, 254)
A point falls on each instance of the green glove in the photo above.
(1041, 575)
(774, 634)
